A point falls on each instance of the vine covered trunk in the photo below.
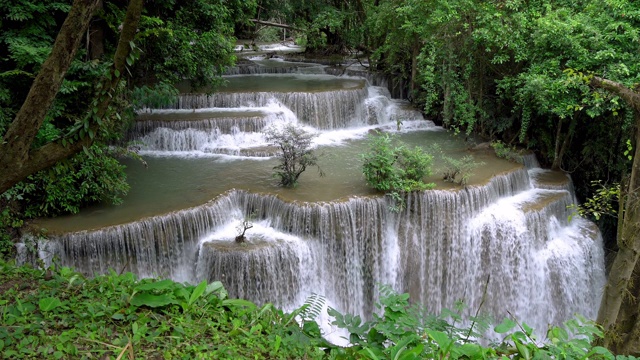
(619, 308)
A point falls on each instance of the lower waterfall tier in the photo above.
(443, 247)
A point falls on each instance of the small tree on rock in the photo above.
(242, 229)
(296, 153)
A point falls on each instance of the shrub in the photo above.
(392, 167)
(406, 331)
(296, 153)
(59, 314)
(88, 177)
(507, 152)
(459, 171)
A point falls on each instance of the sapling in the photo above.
(296, 152)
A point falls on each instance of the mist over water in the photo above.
(210, 169)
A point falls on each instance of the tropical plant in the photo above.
(395, 169)
(92, 176)
(459, 171)
(60, 314)
(405, 331)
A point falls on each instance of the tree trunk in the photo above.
(14, 150)
(278, 25)
(561, 149)
(556, 149)
(96, 37)
(619, 284)
(619, 311)
(17, 159)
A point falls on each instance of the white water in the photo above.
(442, 248)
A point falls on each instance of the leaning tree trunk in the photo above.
(17, 157)
(619, 310)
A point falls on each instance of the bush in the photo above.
(459, 171)
(507, 152)
(60, 314)
(405, 331)
(392, 167)
(88, 177)
(296, 153)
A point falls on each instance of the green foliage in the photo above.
(456, 170)
(507, 152)
(296, 153)
(10, 221)
(391, 167)
(459, 171)
(601, 203)
(61, 314)
(404, 331)
(188, 40)
(328, 26)
(268, 34)
(154, 97)
(91, 176)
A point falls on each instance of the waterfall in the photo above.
(512, 231)
(322, 110)
(442, 248)
(398, 87)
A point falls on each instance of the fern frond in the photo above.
(312, 307)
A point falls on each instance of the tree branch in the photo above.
(631, 97)
(269, 23)
(14, 150)
(17, 159)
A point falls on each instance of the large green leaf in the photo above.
(157, 285)
(146, 299)
(239, 303)
(506, 325)
(48, 304)
(197, 292)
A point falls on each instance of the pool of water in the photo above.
(171, 183)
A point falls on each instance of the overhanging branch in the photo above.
(269, 23)
(631, 97)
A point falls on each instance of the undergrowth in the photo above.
(60, 314)
(63, 315)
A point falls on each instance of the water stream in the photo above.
(210, 168)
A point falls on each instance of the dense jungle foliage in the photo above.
(557, 77)
(54, 314)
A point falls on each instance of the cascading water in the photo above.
(511, 229)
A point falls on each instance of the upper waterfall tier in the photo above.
(322, 110)
(321, 101)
